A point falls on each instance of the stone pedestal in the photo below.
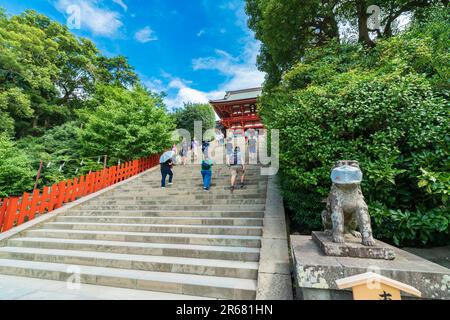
(352, 247)
(316, 273)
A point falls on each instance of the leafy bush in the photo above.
(60, 150)
(386, 107)
(16, 172)
(411, 227)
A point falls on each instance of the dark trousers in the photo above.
(164, 173)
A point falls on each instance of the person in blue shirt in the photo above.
(207, 165)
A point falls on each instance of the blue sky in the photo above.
(194, 50)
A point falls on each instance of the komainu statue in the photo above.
(346, 208)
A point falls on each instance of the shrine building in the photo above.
(237, 110)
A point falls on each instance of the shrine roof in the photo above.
(238, 95)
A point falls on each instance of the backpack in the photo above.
(206, 165)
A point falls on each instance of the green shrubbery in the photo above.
(16, 172)
(386, 107)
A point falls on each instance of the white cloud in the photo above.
(121, 3)
(238, 8)
(240, 72)
(184, 94)
(201, 32)
(155, 85)
(145, 35)
(100, 21)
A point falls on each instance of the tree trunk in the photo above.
(35, 122)
(363, 30)
(334, 32)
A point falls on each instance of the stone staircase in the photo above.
(180, 240)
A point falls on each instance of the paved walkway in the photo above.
(439, 255)
(17, 288)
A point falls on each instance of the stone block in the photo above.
(352, 247)
(273, 286)
(274, 257)
(315, 270)
(275, 228)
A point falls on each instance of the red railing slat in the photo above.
(17, 210)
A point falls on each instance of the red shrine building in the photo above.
(237, 110)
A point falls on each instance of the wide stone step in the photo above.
(252, 188)
(195, 181)
(182, 175)
(165, 220)
(176, 201)
(164, 213)
(179, 283)
(189, 192)
(185, 238)
(231, 207)
(142, 248)
(156, 189)
(156, 228)
(195, 171)
(171, 192)
(118, 196)
(207, 267)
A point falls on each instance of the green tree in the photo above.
(127, 124)
(185, 117)
(60, 150)
(117, 71)
(16, 170)
(27, 70)
(47, 73)
(288, 28)
(385, 106)
(67, 104)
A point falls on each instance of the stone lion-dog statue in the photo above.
(346, 209)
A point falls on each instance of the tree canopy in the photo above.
(63, 102)
(185, 117)
(288, 28)
(47, 73)
(127, 124)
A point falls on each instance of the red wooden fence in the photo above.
(16, 210)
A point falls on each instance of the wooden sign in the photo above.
(372, 286)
